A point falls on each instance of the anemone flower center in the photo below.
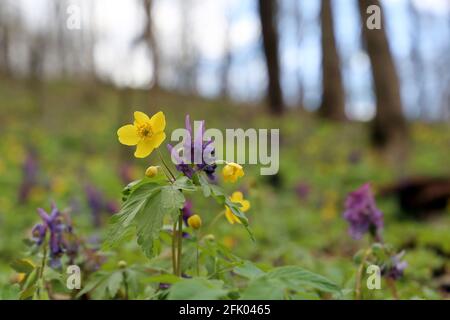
(145, 130)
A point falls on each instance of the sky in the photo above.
(119, 22)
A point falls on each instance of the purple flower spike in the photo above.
(197, 155)
(59, 228)
(396, 270)
(362, 214)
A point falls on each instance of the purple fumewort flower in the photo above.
(362, 213)
(302, 190)
(98, 204)
(197, 155)
(30, 172)
(396, 269)
(187, 211)
(59, 230)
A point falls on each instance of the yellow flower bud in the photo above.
(151, 171)
(122, 264)
(232, 171)
(195, 222)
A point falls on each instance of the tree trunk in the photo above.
(151, 41)
(267, 14)
(333, 98)
(389, 126)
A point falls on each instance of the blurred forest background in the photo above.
(353, 105)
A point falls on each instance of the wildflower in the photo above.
(145, 133)
(232, 171)
(195, 222)
(187, 211)
(362, 214)
(30, 175)
(53, 223)
(302, 190)
(237, 197)
(396, 268)
(151, 171)
(188, 164)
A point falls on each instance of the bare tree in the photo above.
(268, 18)
(300, 25)
(389, 126)
(333, 98)
(4, 40)
(149, 37)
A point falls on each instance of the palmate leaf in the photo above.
(149, 220)
(144, 211)
(273, 284)
(297, 278)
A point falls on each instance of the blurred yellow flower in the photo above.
(145, 133)
(195, 222)
(232, 171)
(237, 197)
(329, 210)
(229, 242)
(151, 171)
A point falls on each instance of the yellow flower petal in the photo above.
(245, 205)
(144, 148)
(157, 139)
(158, 122)
(140, 117)
(231, 217)
(128, 135)
(237, 196)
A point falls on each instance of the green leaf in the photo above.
(164, 278)
(122, 221)
(185, 184)
(197, 289)
(22, 266)
(248, 270)
(264, 288)
(144, 211)
(297, 278)
(114, 283)
(149, 220)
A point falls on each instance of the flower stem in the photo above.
(125, 284)
(180, 243)
(198, 262)
(174, 243)
(165, 165)
(359, 275)
(393, 287)
(216, 218)
(41, 271)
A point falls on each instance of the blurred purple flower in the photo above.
(362, 214)
(29, 179)
(187, 211)
(302, 190)
(396, 269)
(98, 204)
(194, 146)
(354, 157)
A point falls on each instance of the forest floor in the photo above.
(73, 135)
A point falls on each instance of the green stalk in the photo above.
(359, 275)
(180, 243)
(174, 243)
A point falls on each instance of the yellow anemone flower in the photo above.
(237, 197)
(232, 171)
(145, 133)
